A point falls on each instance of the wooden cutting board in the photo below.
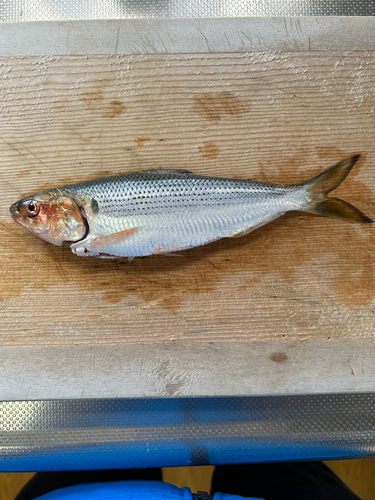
(274, 117)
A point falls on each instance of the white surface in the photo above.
(151, 36)
(256, 368)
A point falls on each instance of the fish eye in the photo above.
(32, 208)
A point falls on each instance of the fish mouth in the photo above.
(14, 212)
(17, 216)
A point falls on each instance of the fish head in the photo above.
(51, 216)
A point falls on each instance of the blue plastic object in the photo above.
(129, 490)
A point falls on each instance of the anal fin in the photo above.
(167, 251)
(243, 232)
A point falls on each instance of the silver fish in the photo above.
(164, 211)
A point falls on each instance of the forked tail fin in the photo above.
(319, 186)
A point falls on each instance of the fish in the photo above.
(164, 211)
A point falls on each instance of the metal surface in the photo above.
(127, 433)
(40, 10)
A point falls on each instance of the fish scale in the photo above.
(162, 211)
(135, 191)
(195, 202)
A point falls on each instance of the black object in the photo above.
(201, 495)
(275, 481)
(281, 481)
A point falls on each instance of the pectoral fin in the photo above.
(112, 239)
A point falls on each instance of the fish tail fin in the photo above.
(319, 186)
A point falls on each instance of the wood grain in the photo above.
(11, 483)
(198, 478)
(357, 474)
(275, 117)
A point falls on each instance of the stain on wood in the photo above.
(279, 357)
(114, 109)
(141, 140)
(23, 173)
(300, 277)
(92, 96)
(209, 150)
(214, 106)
